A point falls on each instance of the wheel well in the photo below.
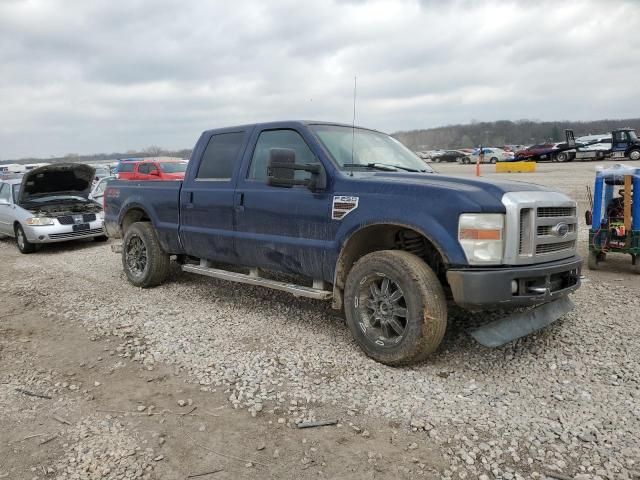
(132, 216)
(388, 237)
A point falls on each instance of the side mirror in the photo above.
(281, 171)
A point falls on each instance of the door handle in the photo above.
(239, 201)
(189, 203)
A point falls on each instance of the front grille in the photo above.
(68, 219)
(545, 230)
(524, 246)
(536, 226)
(82, 233)
(546, 248)
(544, 212)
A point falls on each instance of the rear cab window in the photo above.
(220, 156)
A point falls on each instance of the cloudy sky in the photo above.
(86, 76)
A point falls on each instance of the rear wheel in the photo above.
(24, 245)
(395, 307)
(562, 157)
(143, 260)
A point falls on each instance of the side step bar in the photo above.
(254, 279)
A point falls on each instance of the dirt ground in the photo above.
(44, 353)
(77, 404)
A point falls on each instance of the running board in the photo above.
(255, 279)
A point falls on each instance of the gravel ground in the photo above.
(565, 400)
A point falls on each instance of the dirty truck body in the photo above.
(359, 220)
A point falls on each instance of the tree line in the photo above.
(505, 132)
(151, 151)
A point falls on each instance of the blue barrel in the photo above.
(597, 203)
(635, 206)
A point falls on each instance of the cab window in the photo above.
(220, 157)
(279, 139)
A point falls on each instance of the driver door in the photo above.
(284, 229)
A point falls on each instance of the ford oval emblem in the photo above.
(560, 230)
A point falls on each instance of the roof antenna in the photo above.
(353, 124)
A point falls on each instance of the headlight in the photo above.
(39, 221)
(481, 237)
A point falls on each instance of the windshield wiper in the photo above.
(374, 166)
(384, 167)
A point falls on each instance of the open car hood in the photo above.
(59, 179)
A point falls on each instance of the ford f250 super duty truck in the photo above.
(355, 217)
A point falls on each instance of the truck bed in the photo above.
(161, 201)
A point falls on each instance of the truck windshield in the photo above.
(173, 167)
(371, 150)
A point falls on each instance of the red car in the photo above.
(534, 150)
(152, 170)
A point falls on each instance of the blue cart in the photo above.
(615, 217)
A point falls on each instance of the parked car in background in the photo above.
(101, 172)
(563, 155)
(542, 151)
(152, 170)
(448, 156)
(97, 193)
(50, 204)
(491, 155)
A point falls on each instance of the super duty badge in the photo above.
(342, 206)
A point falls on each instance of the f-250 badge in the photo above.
(342, 206)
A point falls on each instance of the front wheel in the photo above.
(143, 260)
(24, 245)
(493, 160)
(634, 155)
(395, 307)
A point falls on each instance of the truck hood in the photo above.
(497, 188)
(60, 179)
(469, 194)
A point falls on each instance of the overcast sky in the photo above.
(87, 76)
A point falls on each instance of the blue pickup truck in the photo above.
(348, 214)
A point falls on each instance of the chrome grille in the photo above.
(524, 241)
(68, 219)
(546, 248)
(544, 230)
(544, 212)
(540, 227)
(82, 233)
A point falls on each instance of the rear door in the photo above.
(207, 197)
(6, 209)
(285, 229)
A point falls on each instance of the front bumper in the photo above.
(492, 288)
(62, 233)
